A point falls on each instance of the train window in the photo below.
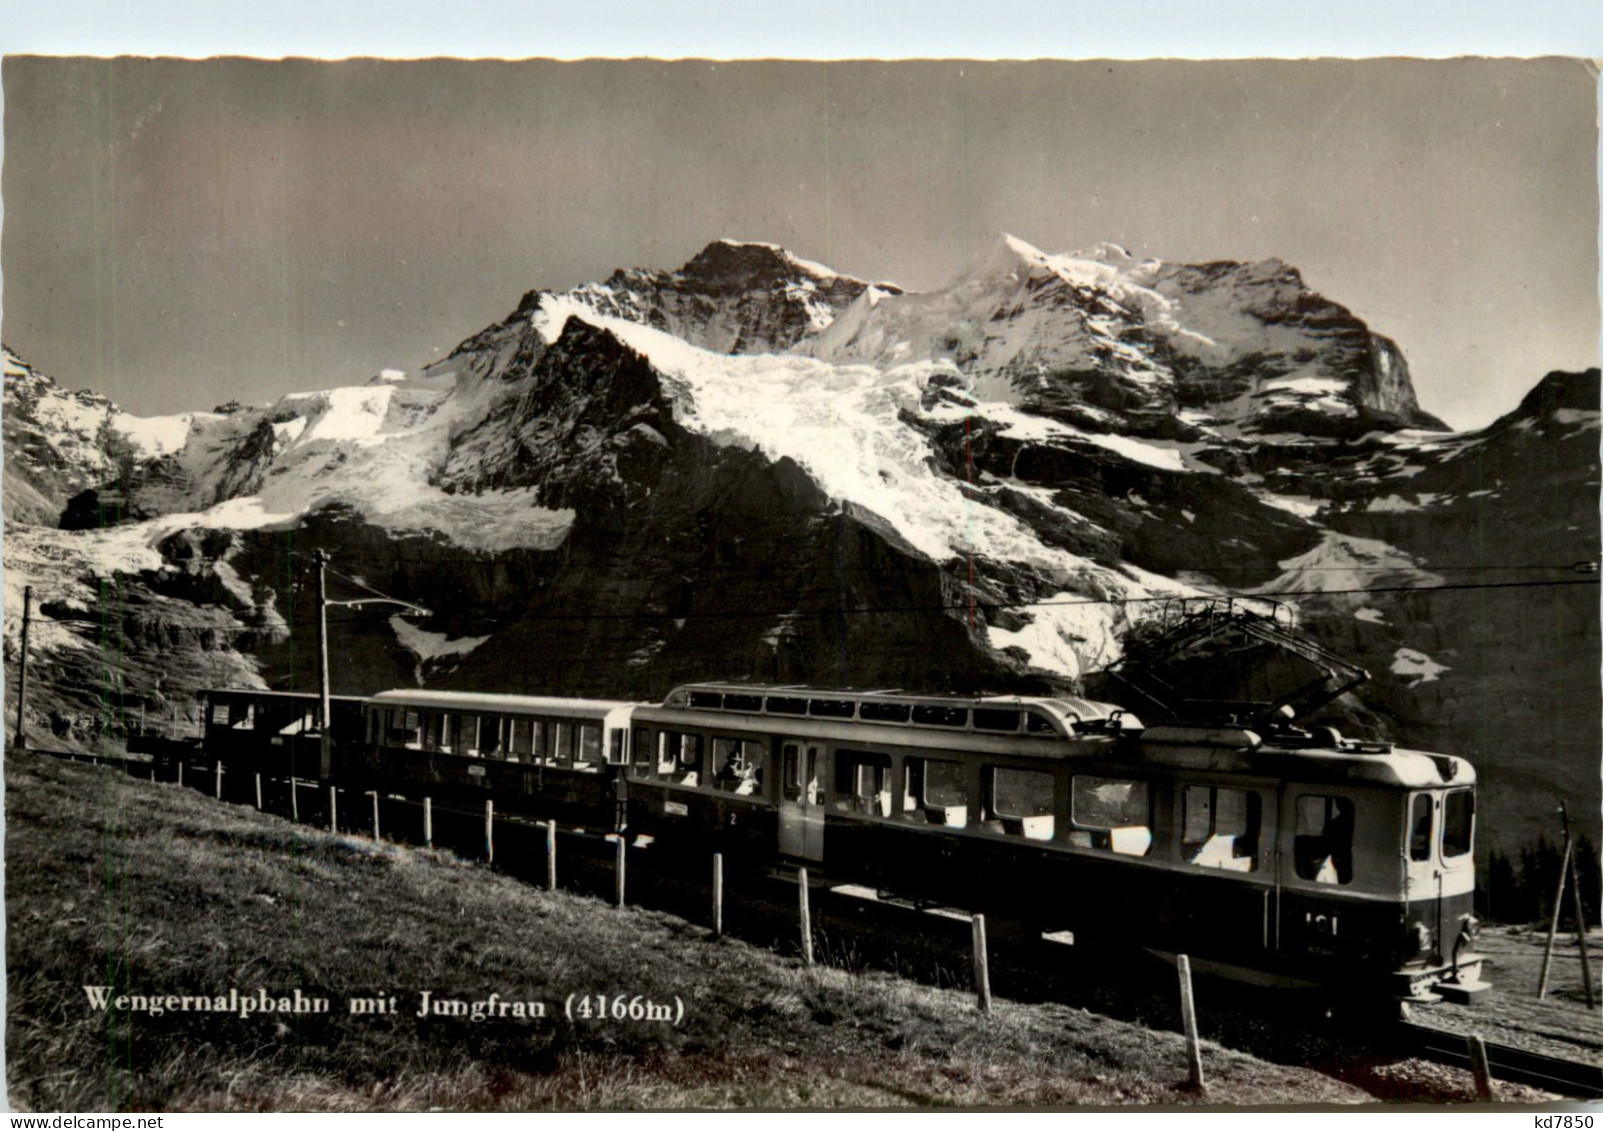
(640, 754)
(1021, 801)
(1419, 827)
(935, 792)
(988, 718)
(490, 740)
(884, 712)
(790, 783)
(588, 755)
(1037, 723)
(1322, 849)
(940, 715)
(734, 702)
(467, 735)
(739, 765)
(1458, 823)
(706, 699)
(832, 708)
(1220, 828)
(562, 744)
(784, 705)
(799, 777)
(863, 782)
(679, 758)
(403, 728)
(521, 739)
(1112, 814)
(241, 716)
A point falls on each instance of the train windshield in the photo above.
(1458, 823)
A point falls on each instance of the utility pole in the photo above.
(22, 675)
(326, 746)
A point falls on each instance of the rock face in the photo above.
(1507, 675)
(756, 468)
(735, 296)
(57, 443)
(1109, 342)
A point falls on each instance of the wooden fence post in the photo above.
(294, 800)
(333, 809)
(806, 917)
(623, 848)
(489, 831)
(258, 791)
(718, 893)
(428, 822)
(1188, 1010)
(375, 815)
(180, 767)
(550, 856)
(219, 777)
(1482, 1067)
(982, 964)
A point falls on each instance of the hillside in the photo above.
(155, 889)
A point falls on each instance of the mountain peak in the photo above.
(748, 262)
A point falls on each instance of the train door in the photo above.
(1226, 834)
(803, 767)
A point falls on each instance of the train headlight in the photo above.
(1420, 938)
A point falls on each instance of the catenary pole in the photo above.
(22, 673)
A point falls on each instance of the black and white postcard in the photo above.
(668, 584)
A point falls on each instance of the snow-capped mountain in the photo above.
(1115, 344)
(59, 443)
(754, 467)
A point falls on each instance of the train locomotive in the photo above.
(1267, 852)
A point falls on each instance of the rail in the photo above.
(1518, 1066)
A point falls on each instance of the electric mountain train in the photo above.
(1266, 852)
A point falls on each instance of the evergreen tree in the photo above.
(1591, 883)
(1501, 899)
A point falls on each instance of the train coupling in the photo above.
(1460, 984)
(1465, 987)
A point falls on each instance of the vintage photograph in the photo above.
(680, 584)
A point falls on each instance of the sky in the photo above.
(178, 234)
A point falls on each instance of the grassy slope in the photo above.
(160, 889)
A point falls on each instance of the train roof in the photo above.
(1034, 715)
(1320, 756)
(489, 703)
(263, 693)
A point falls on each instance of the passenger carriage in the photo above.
(548, 756)
(277, 733)
(1292, 858)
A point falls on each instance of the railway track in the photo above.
(1518, 1066)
